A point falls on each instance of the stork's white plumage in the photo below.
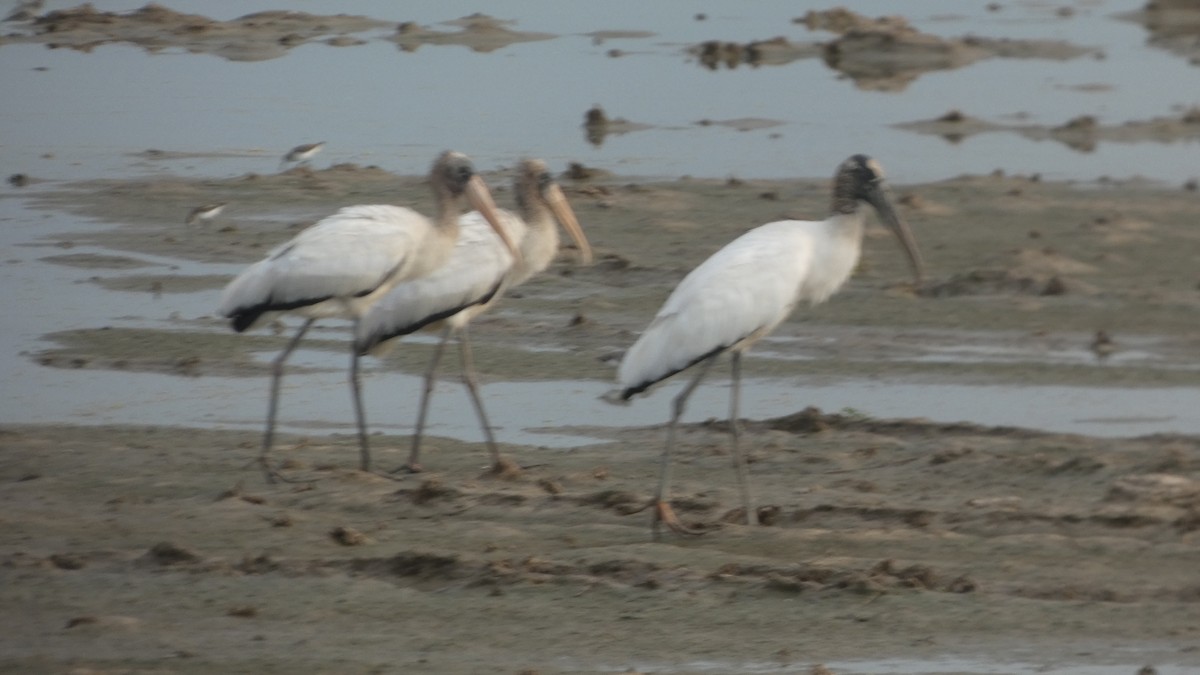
(744, 291)
(342, 264)
(477, 273)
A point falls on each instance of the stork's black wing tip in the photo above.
(242, 321)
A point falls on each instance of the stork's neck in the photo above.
(540, 242)
(848, 224)
(848, 215)
(449, 209)
(844, 201)
(835, 254)
(535, 212)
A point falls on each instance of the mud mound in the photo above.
(479, 32)
(254, 37)
(884, 53)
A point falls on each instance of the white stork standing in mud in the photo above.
(746, 289)
(479, 271)
(338, 267)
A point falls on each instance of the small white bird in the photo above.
(746, 289)
(205, 213)
(301, 154)
(477, 274)
(338, 267)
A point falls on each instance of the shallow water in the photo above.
(50, 297)
(375, 104)
(322, 401)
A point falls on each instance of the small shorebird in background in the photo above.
(1102, 345)
(301, 154)
(204, 214)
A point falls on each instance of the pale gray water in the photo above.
(375, 104)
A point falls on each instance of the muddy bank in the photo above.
(254, 37)
(1082, 133)
(884, 53)
(157, 548)
(1174, 25)
(162, 548)
(1015, 262)
(597, 126)
(479, 32)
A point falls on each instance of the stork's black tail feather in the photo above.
(630, 392)
(243, 318)
(362, 346)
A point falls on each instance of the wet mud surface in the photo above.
(252, 37)
(150, 548)
(1082, 133)
(899, 538)
(161, 549)
(1174, 26)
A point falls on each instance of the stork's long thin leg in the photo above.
(364, 448)
(413, 465)
(739, 463)
(273, 407)
(468, 378)
(662, 507)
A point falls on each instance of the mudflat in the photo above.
(162, 549)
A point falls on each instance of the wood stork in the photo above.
(746, 289)
(339, 266)
(478, 272)
(301, 153)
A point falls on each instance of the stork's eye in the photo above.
(457, 176)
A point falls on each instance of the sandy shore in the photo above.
(162, 550)
(884, 545)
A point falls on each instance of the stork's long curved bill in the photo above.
(566, 216)
(887, 213)
(480, 199)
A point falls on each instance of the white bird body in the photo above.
(475, 271)
(539, 246)
(338, 267)
(474, 277)
(743, 292)
(476, 274)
